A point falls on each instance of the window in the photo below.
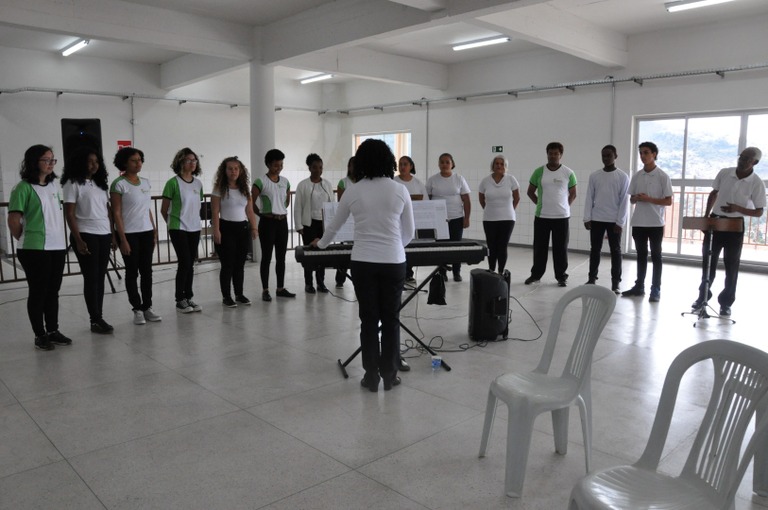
(399, 142)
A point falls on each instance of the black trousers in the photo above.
(497, 234)
(185, 243)
(644, 236)
(597, 232)
(44, 270)
(455, 233)
(308, 234)
(139, 262)
(730, 243)
(558, 229)
(273, 234)
(94, 269)
(232, 252)
(379, 288)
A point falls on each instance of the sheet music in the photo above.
(428, 214)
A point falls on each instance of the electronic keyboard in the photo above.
(418, 253)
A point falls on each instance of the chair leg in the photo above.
(585, 411)
(560, 429)
(519, 433)
(490, 414)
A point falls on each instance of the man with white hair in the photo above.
(736, 192)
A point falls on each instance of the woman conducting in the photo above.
(384, 225)
(499, 195)
(311, 194)
(234, 226)
(35, 220)
(136, 231)
(86, 208)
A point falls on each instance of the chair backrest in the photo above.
(597, 304)
(739, 389)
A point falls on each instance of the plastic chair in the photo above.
(529, 394)
(714, 467)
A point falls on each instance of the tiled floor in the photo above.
(247, 408)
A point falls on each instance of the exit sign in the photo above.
(497, 148)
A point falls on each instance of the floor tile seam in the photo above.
(305, 489)
(393, 489)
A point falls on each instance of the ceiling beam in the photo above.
(373, 65)
(192, 68)
(554, 28)
(115, 20)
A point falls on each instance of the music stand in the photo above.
(710, 226)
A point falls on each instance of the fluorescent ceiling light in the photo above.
(480, 43)
(684, 5)
(319, 77)
(79, 45)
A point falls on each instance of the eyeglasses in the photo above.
(188, 160)
(48, 161)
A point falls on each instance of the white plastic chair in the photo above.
(714, 467)
(529, 394)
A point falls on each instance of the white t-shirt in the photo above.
(655, 184)
(607, 197)
(449, 189)
(91, 211)
(136, 204)
(414, 186)
(748, 192)
(498, 198)
(232, 205)
(383, 217)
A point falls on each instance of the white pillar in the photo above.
(262, 114)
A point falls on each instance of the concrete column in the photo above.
(262, 114)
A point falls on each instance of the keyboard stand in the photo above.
(411, 295)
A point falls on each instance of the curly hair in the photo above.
(123, 155)
(373, 159)
(312, 158)
(221, 183)
(178, 161)
(77, 168)
(30, 169)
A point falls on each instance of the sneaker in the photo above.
(457, 278)
(307, 288)
(57, 338)
(339, 285)
(391, 383)
(183, 306)
(229, 302)
(725, 311)
(562, 283)
(696, 306)
(265, 296)
(410, 280)
(655, 295)
(531, 280)
(615, 288)
(634, 291)
(404, 366)
(591, 281)
(195, 306)
(101, 327)
(243, 300)
(151, 316)
(284, 293)
(322, 288)
(43, 343)
(138, 317)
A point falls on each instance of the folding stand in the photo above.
(710, 225)
(413, 293)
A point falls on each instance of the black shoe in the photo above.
(591, 281)
(339, 285)
(370, 383)
(101, 327)
(697, 305)
(634, 291)
(243, 300)
(57, 338)
(389, 384)
(725, 311)
(562, 283)
(265, 296)
(615, 287)
(445, 276)
(284, 293)
(229, 302)
(531, 280)
(307, 288)
(43, 343)
(404, 366)
(457, 278)
(322, 288)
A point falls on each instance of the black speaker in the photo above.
(76, 133)
(488, 305)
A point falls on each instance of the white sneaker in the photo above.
(138, 317)
(151, 316)
(183, 306)
(195, 306)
